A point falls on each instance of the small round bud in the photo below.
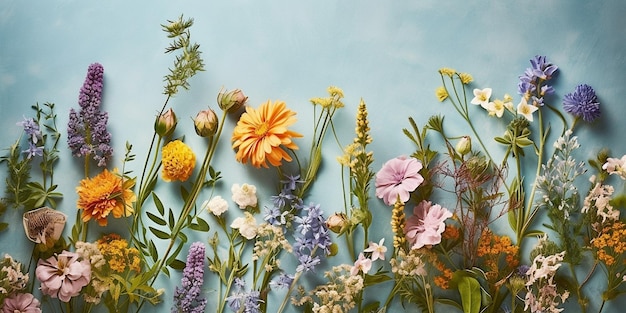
(464, 146)
(231, 101)
(166, 123)
(337, 223)
(206, 123)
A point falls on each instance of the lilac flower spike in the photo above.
(187, 297)
(583, 102)
(532, 84)
(86, 130)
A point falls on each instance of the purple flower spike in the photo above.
(187, 297)
(86, 130)
(583, 102)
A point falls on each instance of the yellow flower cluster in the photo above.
(491, 247)
(611, 244)
(397, 225)
(118, 255)
(178, 161)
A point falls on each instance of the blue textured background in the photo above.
(386, 53)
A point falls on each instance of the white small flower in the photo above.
(246, 225)
(377, 249)
(217, 205)
(244, 195)
(616, 166)
(496, 108)
(481, 96)
(523, 108)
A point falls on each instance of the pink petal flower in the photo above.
(398, 177)
(63, 276)
(426, 225)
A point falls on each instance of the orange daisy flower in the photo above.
(261, 133)
(103, 194)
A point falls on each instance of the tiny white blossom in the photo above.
(526, 110)
(377, 249)
(481, 96)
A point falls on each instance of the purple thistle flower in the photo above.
(583, 102)
(86, 130)
(187, 297)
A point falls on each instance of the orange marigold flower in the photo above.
(178, 161)
(103, 194)
(261, 133)
(117, 253)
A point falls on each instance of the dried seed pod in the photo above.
(44, 224)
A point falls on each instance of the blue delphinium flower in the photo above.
(249, 301)
(86, 130)
(33, 150)
(283, 280)
(31, 129)
(312, 235)
(535, 78)
(583, 102)
(187, 297)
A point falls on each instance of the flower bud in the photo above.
(205, 123)
(231, 101)
(464, 146)
(337, 223)
(166, 123)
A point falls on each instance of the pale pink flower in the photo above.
(616, 166)
(398, 177)
(424, 228)
(63, 276)
(21, 302)
(377, 249)
(362, 264)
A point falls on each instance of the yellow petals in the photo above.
(178, 161)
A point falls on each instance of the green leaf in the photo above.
(177, 265)
(156, 219)
(172, 221)
(202, 225)
(159, 233)
(158, 204)
(469, 289)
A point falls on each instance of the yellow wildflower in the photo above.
(466, 78)
(442, 93)
(104, 194)
(447, 71)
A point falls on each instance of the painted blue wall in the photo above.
(387, 54)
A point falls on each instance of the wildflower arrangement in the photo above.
(464, 227)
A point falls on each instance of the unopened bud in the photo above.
(205, 123)
(231, 101)
(337, 223)
(464, 146)
(166, 123)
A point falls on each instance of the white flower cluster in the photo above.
(339, 294)
(599, 199)
(98, 284)
(542, 294)
(11, 276)
(408, 264)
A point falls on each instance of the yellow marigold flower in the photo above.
(466, 78)
(442, 93)
(261, 134)
(178, 161)
(447, 71)
(118, 255)
(103, 194)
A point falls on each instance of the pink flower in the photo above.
(424, 228)
(63, 276)
(363, 264)
(21, 302)
(398, 177)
